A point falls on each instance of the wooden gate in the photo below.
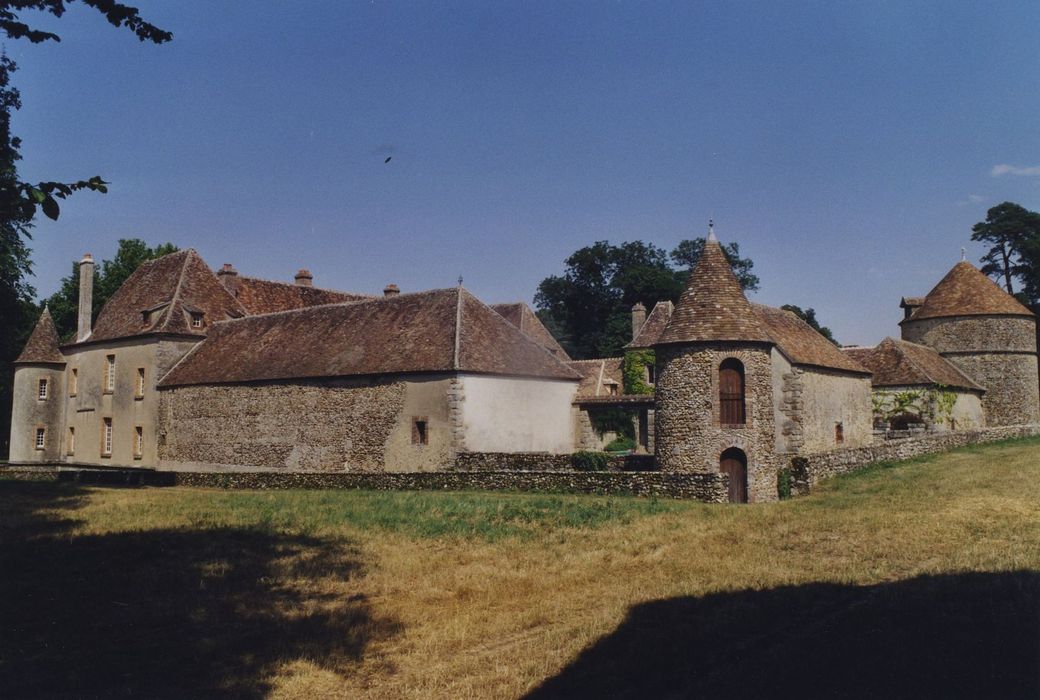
(733, 462)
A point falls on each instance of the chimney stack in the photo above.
(304, 278)
(638, 318)
(391, 290)
(228, 277)
(86, 297)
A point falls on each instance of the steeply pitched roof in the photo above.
(901, 363)
(170, 288)
(801, 343)
(965, 291)
(596, 375)
(442, 330)
(265, 296)
(521, 316)
(653, 327)
(42, 346)
(712, 306)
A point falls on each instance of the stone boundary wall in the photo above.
(807, 470)
(535, 462)
(710, 488)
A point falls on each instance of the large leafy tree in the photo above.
(588, 308)
(1013, 233)
(108, 277)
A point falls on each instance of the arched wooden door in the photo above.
(733, 462)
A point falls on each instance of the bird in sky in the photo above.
(387, 160)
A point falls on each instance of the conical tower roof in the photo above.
(965, 291)
(42, 347)
(713, 306)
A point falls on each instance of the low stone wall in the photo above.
(537, 462)
(711, 488)
(807, 470)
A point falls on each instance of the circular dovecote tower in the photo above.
(714, 409)
(989, 335)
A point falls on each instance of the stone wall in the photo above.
(807, 470)
(831, 398)
(997, 352)
(304, 426)
(520, 461)
(689, 436)
(710, 488)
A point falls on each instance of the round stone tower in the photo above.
(714, 383)
(976, 325)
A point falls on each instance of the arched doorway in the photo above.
(733, 462)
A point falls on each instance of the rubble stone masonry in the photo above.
(688, 434)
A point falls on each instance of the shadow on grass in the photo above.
(166, 613)
(955, 636)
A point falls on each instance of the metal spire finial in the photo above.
(964, 254)
(460, 280)
(711, 230)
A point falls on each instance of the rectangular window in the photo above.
(110, 373)
(41, 393)
(839, 433)
(138, 442)
(106, 437)
(420, 431)
(73, 382)
(196, 320)
(139, 391)
(70, 448)
(41, 438)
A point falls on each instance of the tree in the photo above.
(809, 316)
(1012, 230)
(588, 308)
(108, 277)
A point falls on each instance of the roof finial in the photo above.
(460, 280)
(964, 254)
(711, 230)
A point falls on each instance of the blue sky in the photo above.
(848, 147)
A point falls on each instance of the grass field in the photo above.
(920, 579)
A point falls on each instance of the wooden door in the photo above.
(734, 464)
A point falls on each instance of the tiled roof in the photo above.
(653, 327)
(901, 363)
(437, 331)
(264, 296)
(521, 316)
(596, 375)
(713, 306)
(965, 291)
(42, 347)
(171, 287)
(800, 342)
(911, 302)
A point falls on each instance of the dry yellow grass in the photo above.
(493, 614)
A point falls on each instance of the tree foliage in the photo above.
(1013, 233)
(108, 277)
(588, 308)
(809, 316)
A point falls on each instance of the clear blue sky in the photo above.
(847, 146)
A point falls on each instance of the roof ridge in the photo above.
(294, 285)
(909, 360)
(458, 327)
(900, 341)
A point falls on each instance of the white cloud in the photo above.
(976, 198)
(999, 170)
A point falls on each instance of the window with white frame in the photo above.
(139, 389)
(41, 392)
(110, 373)
(106, 437)
(70, 448)
(196, 320)
(138, 442)
(41, 438)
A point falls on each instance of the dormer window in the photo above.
(196, 319)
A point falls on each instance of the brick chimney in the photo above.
(391, 290)
(304, 278)
(86, 297)
(638, 318)
(228, 277)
